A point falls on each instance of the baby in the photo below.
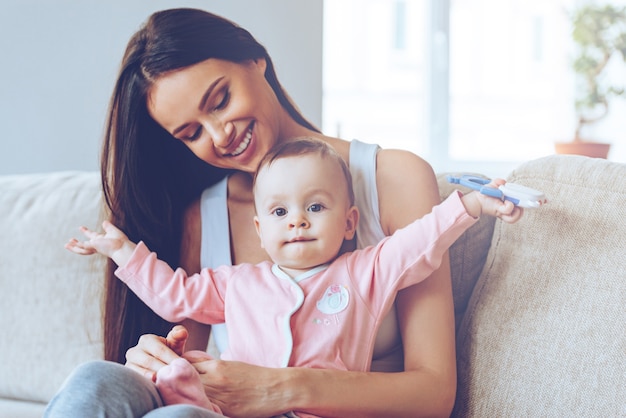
(312, 305)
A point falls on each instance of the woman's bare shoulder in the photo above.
(395, 163)
(407, 188)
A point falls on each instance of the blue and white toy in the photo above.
(521, 196)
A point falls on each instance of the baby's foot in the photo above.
(179, 383)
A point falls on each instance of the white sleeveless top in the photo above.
(215, 246)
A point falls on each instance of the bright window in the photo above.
(510, 84)
(473, 85)
(373, 71)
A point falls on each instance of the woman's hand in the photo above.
(240, 389)
(153, 352)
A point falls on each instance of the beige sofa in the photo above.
(542, 332)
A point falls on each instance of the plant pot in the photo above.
(589, 149)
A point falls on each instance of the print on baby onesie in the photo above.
(335, 299)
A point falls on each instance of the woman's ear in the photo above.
(260, 64)
(352, 219)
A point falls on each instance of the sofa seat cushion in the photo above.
(10, 408)
(545, 330)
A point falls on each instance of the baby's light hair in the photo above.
(305, 146)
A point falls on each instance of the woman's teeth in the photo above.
(244, 144)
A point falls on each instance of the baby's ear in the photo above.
(257, 226)
(352, 219)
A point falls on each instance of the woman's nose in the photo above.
(222, 133)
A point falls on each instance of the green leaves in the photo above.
(599, 33)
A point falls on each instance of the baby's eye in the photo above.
(280, 212)
(316, 207)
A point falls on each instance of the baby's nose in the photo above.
(299, 222)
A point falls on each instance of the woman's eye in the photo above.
(195, 135)
(222, 103)
(315, 207)
(280, 212)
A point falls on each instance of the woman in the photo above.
(192, 83)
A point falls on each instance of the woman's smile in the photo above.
(243, 144)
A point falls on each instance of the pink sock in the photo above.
(179, 383)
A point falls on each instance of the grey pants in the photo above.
(106, 389)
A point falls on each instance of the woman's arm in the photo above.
(243, 390)
(426, 310)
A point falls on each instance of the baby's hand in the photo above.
(113, 243)
(479, 204)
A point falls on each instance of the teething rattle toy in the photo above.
(519, 195)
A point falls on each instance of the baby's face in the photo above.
(303, 211)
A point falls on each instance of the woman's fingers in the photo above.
(153, 352)
(228, 384)
(148, 374)
(177, 338)
(149, 355)
(197, 356)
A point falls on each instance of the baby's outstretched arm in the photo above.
(479, 204)
(113, 243)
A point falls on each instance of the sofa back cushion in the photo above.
(468, 253)
(545, 330)
(50, 299)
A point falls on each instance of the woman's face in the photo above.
(225, 112)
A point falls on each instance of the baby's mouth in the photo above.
(299, 239)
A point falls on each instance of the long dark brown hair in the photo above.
(148, 177)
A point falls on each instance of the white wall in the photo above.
(60, 58)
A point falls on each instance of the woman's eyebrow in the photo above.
(208, 92)
(203, 101)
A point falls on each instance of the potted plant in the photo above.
(599, 34)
